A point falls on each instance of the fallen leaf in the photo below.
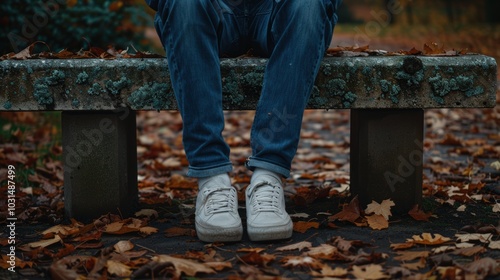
(147, 212)
(428, 239)
(118, 269)
(377, 222)
(415, 265)
(496, 208)
(327, 271)
(383, 208)
(470, 251)
(257, 259)
(350, 212)
(400, 246)
(481, 237)
(494, 245)
(45, 243)
(296, 246)
(179, 231)
(188, 267)
(483, 267)
(148, 230)
(123, 246)
(301, 261)
(322, 251)
(411, 255)
(371, 271)
(302, 226)
(218, 266)
(419, 215)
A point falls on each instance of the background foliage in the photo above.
(64, 24)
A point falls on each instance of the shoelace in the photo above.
(220, 199)
(265, 198)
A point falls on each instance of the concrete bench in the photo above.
(387, 96)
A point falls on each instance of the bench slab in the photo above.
(387, 96)
(342, 82)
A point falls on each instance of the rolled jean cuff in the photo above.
(253, 163)
(200, 172)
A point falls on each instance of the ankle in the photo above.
(221, 180)
(260, 173)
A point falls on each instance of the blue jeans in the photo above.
(293, 34)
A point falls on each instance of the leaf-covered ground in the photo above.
(454, 234)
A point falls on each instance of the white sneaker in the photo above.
(217, 217)
(267, 218)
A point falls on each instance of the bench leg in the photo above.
(100, 163)
(386, 156)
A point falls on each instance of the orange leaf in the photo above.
(302, 226)
(350, 212)
(377, 222)
(419, 215)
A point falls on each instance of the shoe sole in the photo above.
(219, 235)
(270, 233)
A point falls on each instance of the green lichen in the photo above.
(366, 70)
(82, 78)
(75, 103)
(7, 105)
(450, 70)
(154, 95)
(234, 84)
(339, 88)
(41, 87)
(96, 89)
(442, 87)
(117, 86)
(410, 80)
(391, 90)
(29, 70)
(327, 69)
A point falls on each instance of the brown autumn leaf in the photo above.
(415, 265)
(188, 267)
(19, 263)
(383, 208)
(350, 212)
(117, 268)
(45, 243)
(371, 271)
(66, 268)
(123, 246)
(148, 230)
(419, 215)
(296, 246)
(470, 251)
(179, 231)
(248, 250)
(322, 251)
(377, 222)
(302, 226)
(257, 259)
(483, 267)
(328, 271)
(150, 213)
(401, 246)
(428, 239)
(411, 255)
(301, 261)
(218, 266)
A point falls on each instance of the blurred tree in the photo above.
(64, 23)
